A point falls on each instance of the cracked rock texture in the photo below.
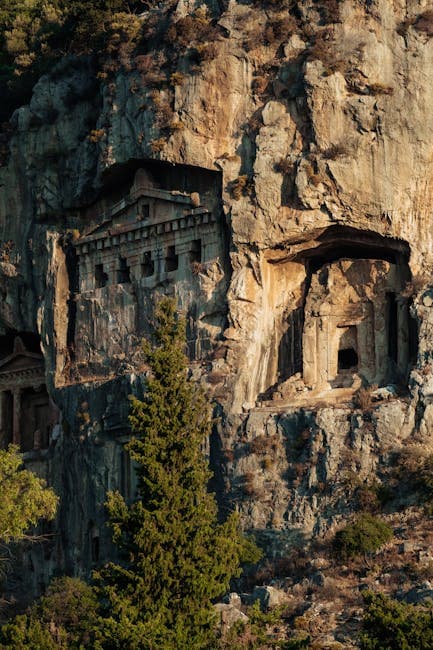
(320, 138)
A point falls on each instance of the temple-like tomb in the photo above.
(149, 236)
(150, 241)
(26, 414)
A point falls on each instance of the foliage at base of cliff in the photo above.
(64, 618)
(176, 557)
(392, 625)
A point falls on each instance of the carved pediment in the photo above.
(21, 360)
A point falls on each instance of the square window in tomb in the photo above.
(145, 212)
(171, 259)
(101, 278)
(148, 265)
(123, 275)
(195, 251)
(347, 349)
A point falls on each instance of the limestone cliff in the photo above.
(309, 134)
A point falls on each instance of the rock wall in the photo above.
(322, 137)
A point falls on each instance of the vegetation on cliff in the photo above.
(65, 617)
(366, 534)
(34, 34)
(392, 625)
(150, 38)
(24, 498)
(176, 556)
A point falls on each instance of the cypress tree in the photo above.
(178, 558)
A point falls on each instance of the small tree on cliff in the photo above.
(177, 557)
(24, 498)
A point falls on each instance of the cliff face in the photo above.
(310, 137)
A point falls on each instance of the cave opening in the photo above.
(30, 341)
(344, 242)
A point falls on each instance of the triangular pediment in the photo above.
(21, 359)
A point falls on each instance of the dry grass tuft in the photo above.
(363, 398)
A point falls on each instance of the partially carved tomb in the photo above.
(355, 322)
(336, 314)
(26, 414)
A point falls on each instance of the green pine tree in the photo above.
(177, 556)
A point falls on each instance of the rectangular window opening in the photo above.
(147, 266)
(348, 349)
(171, 259)
(123, 275)
(101, 278)
(195, 253)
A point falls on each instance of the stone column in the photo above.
(366, 343)
(381, 338)
(309, 344)
(334, 336)
(324, 351)
(16, 431)
(111, 263)
(403, 336)
(159, 263)
(183, 252)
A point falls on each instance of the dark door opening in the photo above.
(347, 359)
(413, 340)
(6, 433)
(290, 347)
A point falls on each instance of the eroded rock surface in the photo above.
(312, 153)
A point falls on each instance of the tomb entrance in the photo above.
(354, 324)
(26, 414)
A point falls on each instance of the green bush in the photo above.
(364, 535)
(64, 618)
(390, 625)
